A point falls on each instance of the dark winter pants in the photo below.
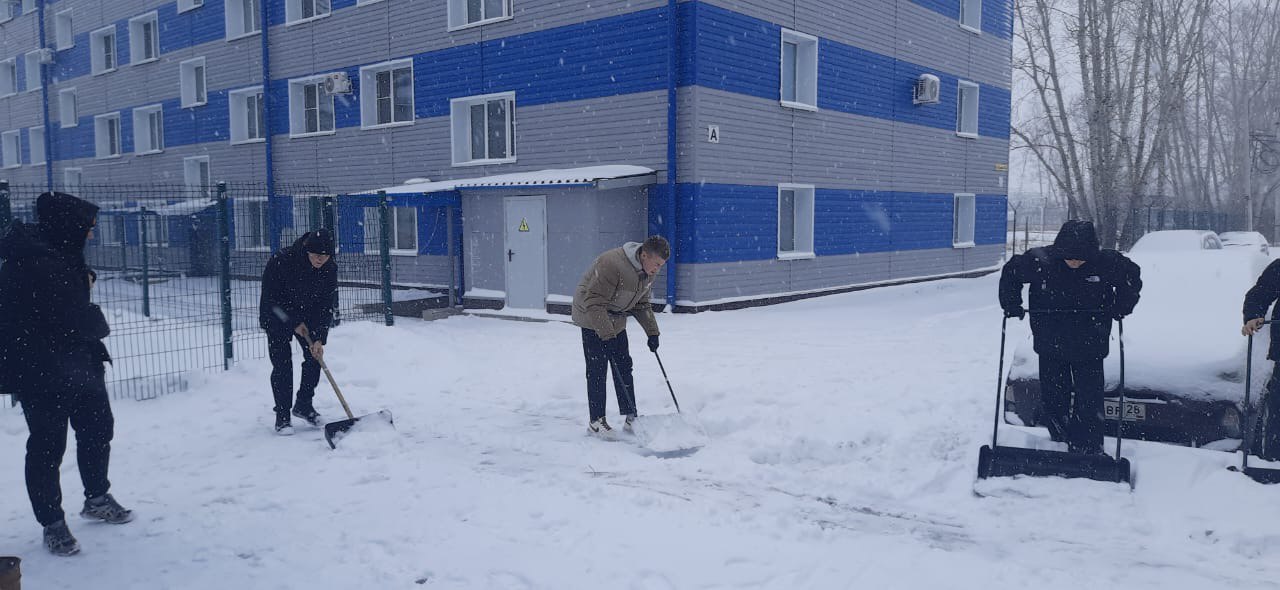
(279, 348)
(88, 411)
(1076, 419)
(600, 353)
(1266, 444)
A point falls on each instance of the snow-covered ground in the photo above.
(844, 436)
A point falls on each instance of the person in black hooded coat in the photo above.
(52, 360)
(1077, 290)
(299, 285)
(1256, 302)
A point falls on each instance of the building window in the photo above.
(32, 65)
(243, 18)
(185, 5)
(106, 135)
(144, 39)
(467, 13)
(157, 227)
(252, 224)
(68, 113)
(8, 77)
(103, 42)
(967, 110)
(386, 94)
(484, 129)
(63, 34)
(795, 221)
(799, 70)
(195, 174)
(71, 180)
(965, 216)
(35, 145)
(310, 108)
(148, 129)
(303, 10)
(247, 121)
(971, 15)
(404, 230)
(10, 9)
(110, 230)
(28, 6)
(192, 78)
(11, 148)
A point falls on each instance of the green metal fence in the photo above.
(179, 269)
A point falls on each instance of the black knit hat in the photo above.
(319, 242)
(1077, 240)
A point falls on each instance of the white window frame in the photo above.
(366, 2)
(241, 243)
(967, 113)
(6, 9)
(803, 219)
(460, 129)
(370, 100)
(964, 220)
(806, 70)
(9, 77)
(458, 14)
(971, 16)
(238, 19)
(294, 9)
(63, 30)
(32, 74)
(11, 148)
(68, 101)
(144, 134)
(185, 5)
(138, 42)
(96, 49)
(297, 108)
(35, 148)
(191, 168)
(239, 115)
(102, 148)
(110, 230)
(194, 88)
(157, 230)
(28, 6)
(371, 219)
(67, 184)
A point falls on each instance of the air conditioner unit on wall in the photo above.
(337, 83)
(926, 89)
(46, 55)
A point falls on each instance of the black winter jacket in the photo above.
(304, 294)
(1106, 287)
(1265, 292)
(52, 333)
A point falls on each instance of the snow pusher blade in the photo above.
(1252, 412)
(997, 461)
(334, 431)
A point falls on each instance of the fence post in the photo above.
(1026, 234)
(224, 273)
(1013, 245)
(328, 222)
(315, 217)
(6, 211)
(453, 261)
(146, 265)
(384, 253)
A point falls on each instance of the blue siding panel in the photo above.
(997, 15)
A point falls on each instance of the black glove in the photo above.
(1015, 312)
(653, 344)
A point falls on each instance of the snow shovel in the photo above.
(333, 431)
(671, 435)
(998, 461)
(1259, 474)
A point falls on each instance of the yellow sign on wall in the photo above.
(524, 225)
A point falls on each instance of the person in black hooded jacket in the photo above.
(52, 360)
(1077, 290)
(298, 289)
(1256, 302)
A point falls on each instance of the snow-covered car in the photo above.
(1245, 240)
(1177, 240)
(1185, 357)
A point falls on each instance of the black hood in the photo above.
(65, 221)
(1077, 240)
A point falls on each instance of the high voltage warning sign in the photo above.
(524, 225)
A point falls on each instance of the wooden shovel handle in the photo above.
(306, 335)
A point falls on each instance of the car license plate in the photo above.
(1133, 411)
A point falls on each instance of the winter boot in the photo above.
(600, 427)
(10, 573)
(284, 426)
(57, 537)
(106, 509)
(307, 413)
(627, 424)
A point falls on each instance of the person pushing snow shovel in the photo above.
(1256, 302)
(298, 288)
(1077, 290)
(618, 284)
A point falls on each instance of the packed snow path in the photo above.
(844, 437)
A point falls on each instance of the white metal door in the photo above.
(526, 255)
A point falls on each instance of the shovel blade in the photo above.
(335, 431)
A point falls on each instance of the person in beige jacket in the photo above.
(618, 284)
